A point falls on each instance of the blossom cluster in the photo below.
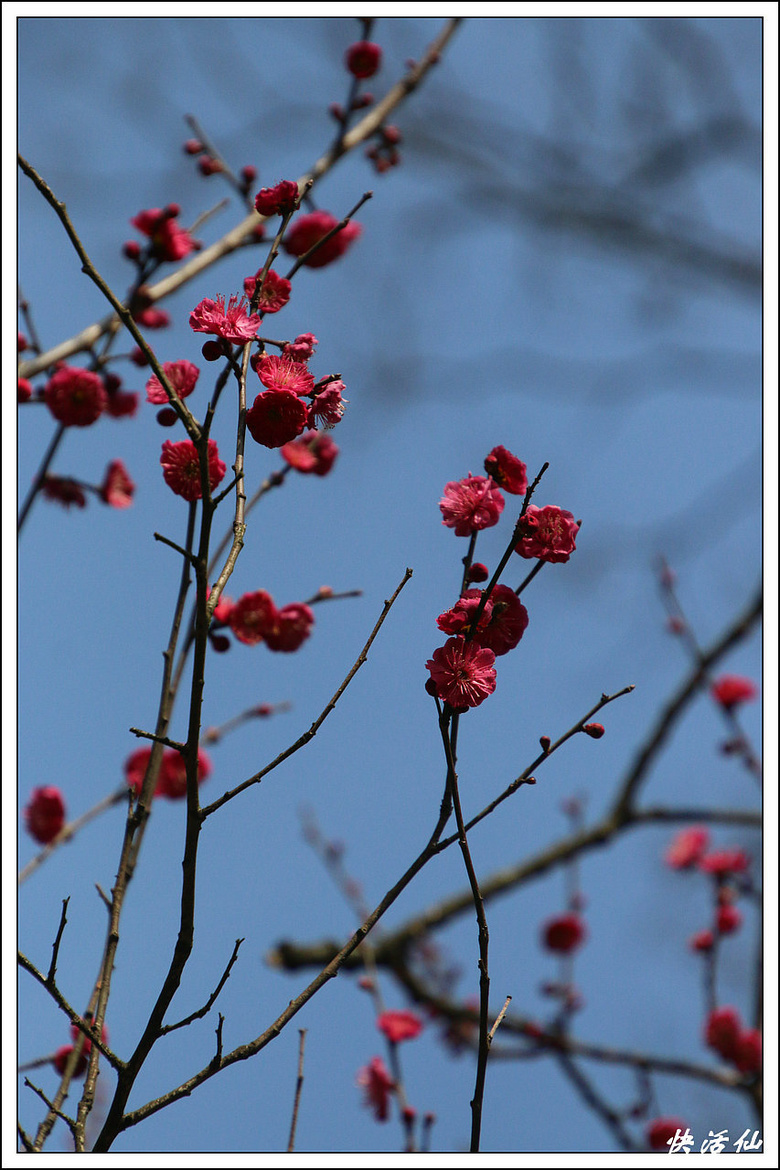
(484, 625)
(255, 618)
(727, 868)
(172, 778)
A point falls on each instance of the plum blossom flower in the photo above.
(170, 241)
(275, 292)
(181, 468)
(24, 390)
(182, 376)
(377, 1085)
(747, 1056)
(282, 373)
(547, 533)
(64, 490)
(290, 628)
(462, 673)
(731, 689)
(507, 623)
(309, 229)
(722, 1030)
(117, 488)
(231, 323)
(728, 918)
(278, 200)
(276, 417)
(722, 862)
(302, 348)
(399, 1025)
(507, 470)
(135, 768)
(75, 397)
(44, 814)
(663, 1130)
(363, 59)
(327, 407)
(311, 453)
(152, 318)
(252, 616)
(471, 504)
(172, 781)
(687, 847)
(458, 619)
(564, 933)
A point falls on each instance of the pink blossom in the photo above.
(703, 940)
(152, 318)
(290, 628)
(687, 847)
(232, 324)
(275, 291)
(172, 781)
(399, 1025)
(747, 1056)
(278, 200)
(471, 504)
(731, 689)
(462, 673)
(302, 349)
(252, 616)
(308, 229)
(170, 241)
(507, 470)
(75, 397)
(729, 919)
(281, 373)
(182, 376)
(377, 1084)
(135, 768)
(722, 862)
(117, 488)
(276, 417)
(65, 491)
(547, 533)
(507, 622)
(328, 406)
(181, 468)
(458, 619)
(44, 814)
(312, 452)
(24, 390)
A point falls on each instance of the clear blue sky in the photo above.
(474, 311)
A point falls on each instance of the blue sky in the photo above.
(475, 310)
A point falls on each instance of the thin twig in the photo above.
(298, 1088)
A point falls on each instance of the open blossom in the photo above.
(462, 673)
(170, 241)
(399, 1025)
(135, 768)
(182, 376)
(172, 781)
(377, 1085)
(507, 470)
(328, 406)
(687, 847)
(311, 453)
(117, 488)
(282, 373)
(64, 491)
(275, 292)
(278, 200)
(548, 533)
(731, 689)
(290, 627)
(44, 814)
(308, 229)
(75, 397)
(471, 504)
(231, 323)
(507, 622)
(181, 468)
(276, 417)
(458, 619)
(302, 348)
(564, 933)
(252, 616)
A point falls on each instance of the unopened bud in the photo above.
(594, 730)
